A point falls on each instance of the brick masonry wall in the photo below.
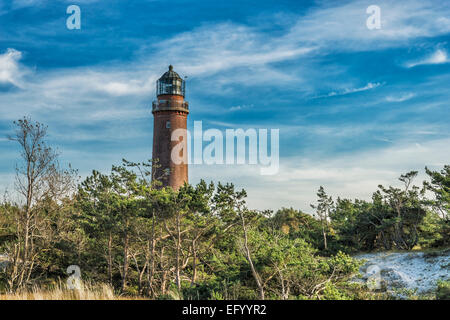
(162, 146)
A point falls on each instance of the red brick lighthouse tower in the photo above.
(170, 113)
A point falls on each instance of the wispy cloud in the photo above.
(343, 26)
(241, 107)
(369, 86)
(217, 49)
(438, 57)
(400, 97)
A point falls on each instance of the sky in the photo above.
(356, 107)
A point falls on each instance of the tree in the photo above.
(403, 211)
(323, 207)
(231, 205)
(346, 218)
(436, 231)
(440, 186)
(201, 221)
(40, 181)
(298, 224)
(95, 199)
(128, 207)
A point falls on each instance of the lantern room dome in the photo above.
(170, 83)
(170, 74)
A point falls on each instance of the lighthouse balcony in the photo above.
(170, 105)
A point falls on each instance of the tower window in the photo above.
(168, 124)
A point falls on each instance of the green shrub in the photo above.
(443, 290)
(331, 292)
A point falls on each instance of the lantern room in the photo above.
(170, 84)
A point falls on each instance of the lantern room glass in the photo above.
(170, 83)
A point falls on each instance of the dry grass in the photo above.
(61, 292)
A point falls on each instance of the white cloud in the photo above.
(81, 96)
(369, 86)
(400, 98)
(215, 49)
(241, 107)
(132, 87)
(438, 57)
(343, 26)
(10, 70)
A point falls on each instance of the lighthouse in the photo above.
(170, 112)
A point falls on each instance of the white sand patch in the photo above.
(407, 270)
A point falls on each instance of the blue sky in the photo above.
(355, 107)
